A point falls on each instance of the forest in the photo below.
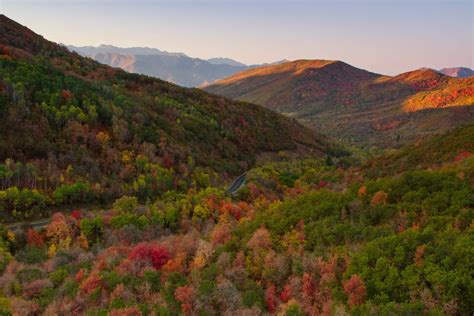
(302, 237)
(132, 173)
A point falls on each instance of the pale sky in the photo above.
(384, 36)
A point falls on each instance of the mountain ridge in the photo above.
(173, 67)
(333, 96)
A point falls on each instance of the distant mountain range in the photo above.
(353, 104)
(458, 72)
(177, 68)
(174, 67)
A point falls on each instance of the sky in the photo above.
(384, 36)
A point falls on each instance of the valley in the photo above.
(306, 187)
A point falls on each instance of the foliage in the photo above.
(156, 255)
(92, 228)
(302, 237)
(75, 131)
(126, 204)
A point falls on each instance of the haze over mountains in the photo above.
(353, 104)
(183, 70)
(459, 72)
(173, 67)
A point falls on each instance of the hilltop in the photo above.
(458, 72)
(355, 105)
(66, 119)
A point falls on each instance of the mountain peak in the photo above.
(351, 103)
(420, 74)
(458, 72)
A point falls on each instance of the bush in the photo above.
(4, 306)
(92, 228)
(5, 258)
(28, 275)
(72, 193)
(153, 278)
(155, 254)
(128, 219)
(58, 276)
(126, 204)
(32, 255)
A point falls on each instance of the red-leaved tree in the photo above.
(35, 239)
(153, 253)
(355, 290)
(185, 295)
(271, 298)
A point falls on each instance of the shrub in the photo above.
(92, 228)
(185, 295)
(58, 276)
(355, 289)
(379, 198)
(126, 204)
(5, 258)
(128, 219)
(28, 275)
(4, 306)
(221, 234)
(32, 255)
(72, 193)
(155, 254)
(153, 278)
(91, 283)
(58, 230)
(35, 288)
(34, 239)
(260, 240)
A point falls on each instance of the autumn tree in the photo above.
(355, 290)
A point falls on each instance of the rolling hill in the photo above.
(458, 72)
(355, 105)
(173, 67)
(69, 118)
(431, 153)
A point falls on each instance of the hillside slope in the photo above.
(430, 153)
(357, 106)
(173, 67)
(300, 238)
(70, 119)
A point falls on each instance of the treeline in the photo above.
(27, 192)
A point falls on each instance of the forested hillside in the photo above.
(301, 238)
(73, 130)
(354, 105)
